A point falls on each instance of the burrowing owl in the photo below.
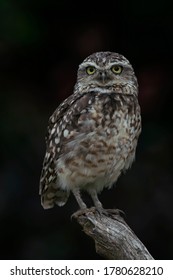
(92, 136)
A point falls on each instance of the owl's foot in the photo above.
(82, 211)
(113, 212)
(100, 211)
(108, 212)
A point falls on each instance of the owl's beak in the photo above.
(103, 77)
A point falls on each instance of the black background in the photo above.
(41, 45)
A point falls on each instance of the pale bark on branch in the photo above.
(113, 238)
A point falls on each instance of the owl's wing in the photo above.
(58, 114)
(48, 185)
(49, 190)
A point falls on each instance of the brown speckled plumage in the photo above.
(92, 136)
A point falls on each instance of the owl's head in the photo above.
(105, 70)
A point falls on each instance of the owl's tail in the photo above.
(52, 196)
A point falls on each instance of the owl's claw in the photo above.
(118, 212)
(81, 212)
(86, 211)
(100, 211)
(110, 212)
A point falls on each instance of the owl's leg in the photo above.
(76, 194)
(96, 201)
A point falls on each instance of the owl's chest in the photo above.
(108, 119)
(103, 132)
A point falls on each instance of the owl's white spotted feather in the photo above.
(92, 136)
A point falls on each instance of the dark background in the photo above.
(41, 45)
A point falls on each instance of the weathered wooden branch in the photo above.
(113, 237)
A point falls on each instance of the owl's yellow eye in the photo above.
(117, 69)
(90, 70)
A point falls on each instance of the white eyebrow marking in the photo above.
(87, 63)
(118, 63)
